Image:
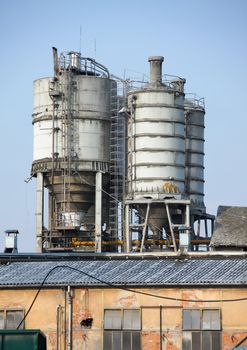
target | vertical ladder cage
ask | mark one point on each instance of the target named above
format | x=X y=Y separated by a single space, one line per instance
x=117 y=160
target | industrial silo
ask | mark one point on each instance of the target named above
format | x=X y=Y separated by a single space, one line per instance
x=156 y=152
x=71 y=120
x=194 y=163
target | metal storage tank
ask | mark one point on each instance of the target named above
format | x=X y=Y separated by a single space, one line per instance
x=71 y=120
x=156 y=142
x=156 y=138
x=194 y=120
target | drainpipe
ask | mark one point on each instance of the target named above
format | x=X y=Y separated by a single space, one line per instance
x=69 y=294
x=58 y=326
x=161 y=337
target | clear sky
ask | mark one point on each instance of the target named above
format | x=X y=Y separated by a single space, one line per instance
x=202 y=41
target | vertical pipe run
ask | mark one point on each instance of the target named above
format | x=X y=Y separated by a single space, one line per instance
x=69 y=294
x=55 y=61
x=127 y=228
x=161 y=321
x=187 y=223
x=58 y=326
x=65 y=318
x=98 y=212
x=39 y=211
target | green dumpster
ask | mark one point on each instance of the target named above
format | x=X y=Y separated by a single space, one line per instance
x=30 y=339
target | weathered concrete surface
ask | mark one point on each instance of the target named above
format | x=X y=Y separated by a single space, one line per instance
x=230 y=229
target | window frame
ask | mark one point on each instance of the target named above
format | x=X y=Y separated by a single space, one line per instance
x=112 y=329
x=201 y=311
x=5 y=312
x=124 y=333
x=192 y=337
x=122 y=320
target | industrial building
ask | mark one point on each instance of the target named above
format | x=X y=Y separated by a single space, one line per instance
x=117 y=153
x=127 y=256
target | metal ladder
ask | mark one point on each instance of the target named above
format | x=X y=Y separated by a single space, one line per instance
x=116 y=160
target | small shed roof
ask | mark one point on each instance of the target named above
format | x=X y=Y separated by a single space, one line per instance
x=230 y=228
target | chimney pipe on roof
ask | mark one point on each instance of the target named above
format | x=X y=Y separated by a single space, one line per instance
x=11 y=241
x=156 y=70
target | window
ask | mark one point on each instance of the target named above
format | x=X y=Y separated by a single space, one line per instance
x=201 y=329
x=122 y=329
x=1 y=319
x=10 y=319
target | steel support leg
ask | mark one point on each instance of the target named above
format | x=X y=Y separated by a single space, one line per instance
x=39 y=211
x=98 y=212
x=145 y=227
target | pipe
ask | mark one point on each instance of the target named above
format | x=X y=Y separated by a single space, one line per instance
x=127 y=230
x=161 y=338
x=156 y=69
x=65 y=319
x=136 y=242
x=55 y=61
x=69 y=294
x=58 y=324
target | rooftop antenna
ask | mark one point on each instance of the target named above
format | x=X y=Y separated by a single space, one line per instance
x=80 y=40
x=95 y=49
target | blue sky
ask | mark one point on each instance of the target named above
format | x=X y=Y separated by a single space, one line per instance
x=202 y=41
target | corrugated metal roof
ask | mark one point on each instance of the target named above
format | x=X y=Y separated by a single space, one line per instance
x=131 y=272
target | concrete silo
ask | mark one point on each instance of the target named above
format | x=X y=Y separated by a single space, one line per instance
x=165 y=165
x=194 y=163
x=156 y=156
x=71 y=120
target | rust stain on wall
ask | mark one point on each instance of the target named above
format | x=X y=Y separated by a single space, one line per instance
x=51 y=340
x=171 y=341
x=230 y=339
x=128 y=302
x=150 y=341
x=191 y=295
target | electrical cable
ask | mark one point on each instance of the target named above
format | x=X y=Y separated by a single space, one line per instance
x=121 y=288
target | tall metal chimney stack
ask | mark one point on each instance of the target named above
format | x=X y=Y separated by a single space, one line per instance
x=156 y=70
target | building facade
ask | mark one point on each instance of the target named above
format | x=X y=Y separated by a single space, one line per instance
x=122 y=302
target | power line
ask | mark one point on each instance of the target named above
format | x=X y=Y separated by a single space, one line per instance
x=121 y=288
